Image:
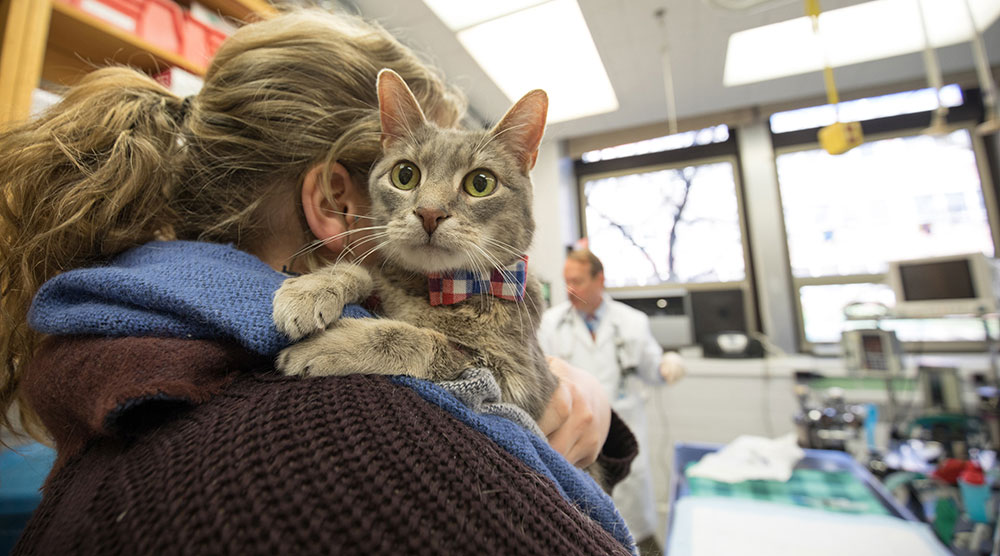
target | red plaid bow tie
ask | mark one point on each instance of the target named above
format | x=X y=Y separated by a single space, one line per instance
x=452 y=287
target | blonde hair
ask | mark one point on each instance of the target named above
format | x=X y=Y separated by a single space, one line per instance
x=121 y=161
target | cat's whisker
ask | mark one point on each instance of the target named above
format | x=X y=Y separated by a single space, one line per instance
x=369 y=253
x=485 y=265
x=351 y=245
x=404 y=123
x=502 y=246
x=494 y=136
x=317 y=243
x=507 y=275
x=331 y=211
x=349 y=249
x=479 y=270
x=534 y=309
x=510 y=249
x=571 y=294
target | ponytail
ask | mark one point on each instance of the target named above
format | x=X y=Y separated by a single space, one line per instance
x=88 y=179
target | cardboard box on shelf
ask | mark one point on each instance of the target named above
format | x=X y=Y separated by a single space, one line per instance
x=160 y=23
x=199 y=40
x=155 y=21
x=120 y=13
x=212 y=17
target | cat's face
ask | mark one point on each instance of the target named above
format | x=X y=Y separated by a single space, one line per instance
x=453 y=199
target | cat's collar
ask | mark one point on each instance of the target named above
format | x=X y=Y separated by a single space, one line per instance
x=446 y=288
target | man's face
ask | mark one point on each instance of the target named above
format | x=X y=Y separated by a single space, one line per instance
x=584 y=290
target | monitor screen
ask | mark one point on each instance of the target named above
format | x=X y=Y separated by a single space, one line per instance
x=937 y=280
x=874 y=354
x=717 y=311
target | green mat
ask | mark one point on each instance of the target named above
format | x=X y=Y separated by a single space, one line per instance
x=835 y=491
x=863 y=383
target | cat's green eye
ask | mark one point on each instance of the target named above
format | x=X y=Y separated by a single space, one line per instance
x=480 y=183
x=405 y=175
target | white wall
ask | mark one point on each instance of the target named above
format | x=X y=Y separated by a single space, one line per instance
x=556 y=220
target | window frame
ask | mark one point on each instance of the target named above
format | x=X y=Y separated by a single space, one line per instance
x=725 y=151
x=906 y=125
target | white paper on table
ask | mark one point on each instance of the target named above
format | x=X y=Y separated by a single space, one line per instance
x=708 y=526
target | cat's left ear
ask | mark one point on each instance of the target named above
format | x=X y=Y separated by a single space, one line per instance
x=522 y=127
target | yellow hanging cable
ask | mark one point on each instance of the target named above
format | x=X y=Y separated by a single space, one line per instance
x=839 y=137
x=813 y=10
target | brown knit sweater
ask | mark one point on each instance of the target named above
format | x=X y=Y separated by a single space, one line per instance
x=170 y=446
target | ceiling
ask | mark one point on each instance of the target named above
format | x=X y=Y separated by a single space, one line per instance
x=629 y=38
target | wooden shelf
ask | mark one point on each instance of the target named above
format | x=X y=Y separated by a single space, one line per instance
x=57 y=42
x=79 y=42
x=241 y=10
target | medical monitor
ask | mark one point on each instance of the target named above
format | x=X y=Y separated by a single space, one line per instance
x=940 y=286
x=668 y=312
x=872 y=352
x=717 y=311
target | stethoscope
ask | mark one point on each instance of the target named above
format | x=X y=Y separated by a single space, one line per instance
x=624 y=371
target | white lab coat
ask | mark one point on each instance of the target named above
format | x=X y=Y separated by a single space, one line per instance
x=623 y=340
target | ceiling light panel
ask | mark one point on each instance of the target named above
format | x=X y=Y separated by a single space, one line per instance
x=541 y=46
x=459 y=14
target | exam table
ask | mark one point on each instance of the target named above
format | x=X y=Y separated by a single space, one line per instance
x=830 y=506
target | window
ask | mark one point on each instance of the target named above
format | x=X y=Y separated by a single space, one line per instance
x=667 y=225
x=898 y=198
x=823 y=316
x=894 y=197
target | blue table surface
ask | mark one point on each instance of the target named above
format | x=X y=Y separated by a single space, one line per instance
x=823 y=460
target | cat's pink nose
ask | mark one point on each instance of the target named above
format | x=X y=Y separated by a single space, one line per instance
x=431 y=217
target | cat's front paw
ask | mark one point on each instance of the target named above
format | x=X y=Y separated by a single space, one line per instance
x=308 y=303
x=302 y=360
x=330 y=352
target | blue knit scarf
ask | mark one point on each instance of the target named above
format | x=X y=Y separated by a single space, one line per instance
x=183 y=289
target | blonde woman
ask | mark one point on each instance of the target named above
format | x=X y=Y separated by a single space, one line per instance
x=142 y=236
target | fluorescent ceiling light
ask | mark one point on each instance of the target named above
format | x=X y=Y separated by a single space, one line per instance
x=539 y=46
x=459 y=14
x=851 y=35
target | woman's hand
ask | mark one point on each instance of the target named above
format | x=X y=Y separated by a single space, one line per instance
x=578 y=416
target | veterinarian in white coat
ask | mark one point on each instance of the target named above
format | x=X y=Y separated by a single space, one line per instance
x=622 y=353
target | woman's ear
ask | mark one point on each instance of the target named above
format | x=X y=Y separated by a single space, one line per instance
x=331 y=200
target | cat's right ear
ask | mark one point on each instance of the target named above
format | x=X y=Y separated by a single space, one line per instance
x=399 y=110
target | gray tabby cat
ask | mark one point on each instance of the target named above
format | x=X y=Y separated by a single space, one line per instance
x=442 y=200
